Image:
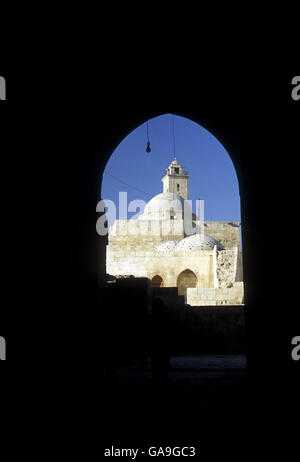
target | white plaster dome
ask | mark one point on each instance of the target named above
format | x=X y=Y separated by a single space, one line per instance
x=162 y=205
x=166 y=246
x=190 y=243
x=198 y=242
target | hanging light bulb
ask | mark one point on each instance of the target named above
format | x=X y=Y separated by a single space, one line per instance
x=148 y=149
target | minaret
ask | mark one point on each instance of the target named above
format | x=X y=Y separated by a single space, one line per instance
x=176 y=180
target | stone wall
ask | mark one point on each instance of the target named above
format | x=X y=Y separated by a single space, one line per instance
x=167 y=265
x=144 y=234
x=239 y=267
x=228 y=233
x=131 y=252
x=227 y=267
x=214 y=297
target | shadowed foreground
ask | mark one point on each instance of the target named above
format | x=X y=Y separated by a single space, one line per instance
x=200 y=392
x=207 y=402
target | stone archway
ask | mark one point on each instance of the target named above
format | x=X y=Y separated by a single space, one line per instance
x=157 y=281
x=186 y=279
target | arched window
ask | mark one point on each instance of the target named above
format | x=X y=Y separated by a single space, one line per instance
x=185 y=280
x=157 y=281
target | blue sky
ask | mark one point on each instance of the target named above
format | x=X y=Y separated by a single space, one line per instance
x=212 y=174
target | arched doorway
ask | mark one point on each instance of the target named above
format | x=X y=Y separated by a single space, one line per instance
x=186 y=279
x=157 y=281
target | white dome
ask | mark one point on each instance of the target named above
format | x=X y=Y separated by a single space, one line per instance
x=160 y=207
x=166 y=246
x=190 y=243
x=198 y=242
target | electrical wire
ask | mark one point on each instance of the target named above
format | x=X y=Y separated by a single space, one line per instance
x=173 y=133
x=148 y=131
x=127 y=184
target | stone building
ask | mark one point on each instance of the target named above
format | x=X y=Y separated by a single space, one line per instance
x=203 y=260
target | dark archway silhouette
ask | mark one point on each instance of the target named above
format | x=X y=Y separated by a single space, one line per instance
x=228 y=117
x=247 y=105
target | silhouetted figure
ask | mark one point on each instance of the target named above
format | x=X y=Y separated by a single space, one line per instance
x=125 y=325
x=160 y=359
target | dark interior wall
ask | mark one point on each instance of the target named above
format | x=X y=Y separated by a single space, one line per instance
x=78 y=125
x=256 y=121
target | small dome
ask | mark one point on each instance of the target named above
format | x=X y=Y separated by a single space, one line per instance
x=190 y=243
x=161 y=206
x=198 y=242
x=166 y=246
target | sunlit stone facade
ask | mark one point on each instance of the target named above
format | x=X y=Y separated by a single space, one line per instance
x=205 y=266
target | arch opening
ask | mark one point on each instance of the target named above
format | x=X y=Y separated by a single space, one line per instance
x=216 y=259
x=157 y=231
x=157 y=281
x=186 y=279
